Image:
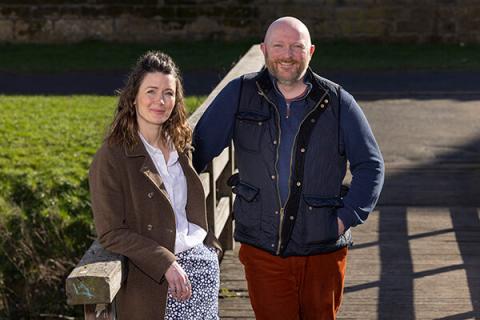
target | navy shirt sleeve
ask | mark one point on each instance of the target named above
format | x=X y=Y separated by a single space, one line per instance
x=214 y=131
x=366 y=163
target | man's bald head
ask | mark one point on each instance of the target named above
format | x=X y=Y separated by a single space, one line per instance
x=287 y=48
x=284 y=23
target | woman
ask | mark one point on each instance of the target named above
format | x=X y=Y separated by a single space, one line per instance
x=148 y=202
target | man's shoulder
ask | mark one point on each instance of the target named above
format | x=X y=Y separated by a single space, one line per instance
x=326 y=83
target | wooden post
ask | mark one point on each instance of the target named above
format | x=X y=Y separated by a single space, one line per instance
x=211 y=201
x=100 y=311
x=226 y=235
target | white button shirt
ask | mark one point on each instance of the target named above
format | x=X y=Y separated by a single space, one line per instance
x=188 y=235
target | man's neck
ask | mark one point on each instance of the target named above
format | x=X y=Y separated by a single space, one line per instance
x=292 y=90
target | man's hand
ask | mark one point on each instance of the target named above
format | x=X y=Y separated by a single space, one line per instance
x=341 y=226
x=178 y=284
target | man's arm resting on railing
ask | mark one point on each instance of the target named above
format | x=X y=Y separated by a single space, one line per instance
x=214 y=131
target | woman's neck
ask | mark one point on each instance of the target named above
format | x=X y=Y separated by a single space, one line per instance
x=154 y=136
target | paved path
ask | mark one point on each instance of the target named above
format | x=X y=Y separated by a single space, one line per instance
x=101 y=83
x=366 y=85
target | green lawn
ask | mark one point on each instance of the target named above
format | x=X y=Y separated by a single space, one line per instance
x=219 y=56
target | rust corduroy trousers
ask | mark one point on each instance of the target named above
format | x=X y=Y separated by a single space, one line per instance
x=294 y=288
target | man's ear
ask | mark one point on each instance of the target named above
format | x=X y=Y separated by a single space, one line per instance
x=312 y=49
x=262 y=47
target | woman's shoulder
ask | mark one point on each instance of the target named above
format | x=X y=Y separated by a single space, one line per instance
x=109 y=152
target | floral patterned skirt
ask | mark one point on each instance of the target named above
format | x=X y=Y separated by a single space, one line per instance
x=201 y=265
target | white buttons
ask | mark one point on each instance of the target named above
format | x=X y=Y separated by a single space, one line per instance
x=299 y=183
x=149 y=227
x=302 y=150
x=150 y=195
x=292 y=217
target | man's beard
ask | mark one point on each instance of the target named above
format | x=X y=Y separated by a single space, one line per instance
x=289 y=77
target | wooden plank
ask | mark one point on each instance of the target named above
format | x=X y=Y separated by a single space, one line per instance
x=220 y=162
x=221 y=216
x=204 y=178
x=97 y=277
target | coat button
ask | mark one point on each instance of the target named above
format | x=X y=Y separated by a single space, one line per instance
x=273 y=177
x=312 y=120
x=325 y=101
x=150 y=195
x=310 y=208
x=322 y=106
x=274 y=141
x=292 y=217
x=149 y=227
x=260 y=123
x=302 y=150
x=299 y=183
x=276 y=212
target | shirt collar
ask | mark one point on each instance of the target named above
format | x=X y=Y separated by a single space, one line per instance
x=302 y=96
x=154 y=151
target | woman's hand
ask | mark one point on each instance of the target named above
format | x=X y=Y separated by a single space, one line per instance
x=178 y=284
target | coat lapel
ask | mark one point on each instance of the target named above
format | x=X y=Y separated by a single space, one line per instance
x=148 y=168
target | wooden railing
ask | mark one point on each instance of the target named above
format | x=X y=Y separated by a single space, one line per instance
x=99 y=275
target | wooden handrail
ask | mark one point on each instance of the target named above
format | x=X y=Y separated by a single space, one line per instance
x=98 y=276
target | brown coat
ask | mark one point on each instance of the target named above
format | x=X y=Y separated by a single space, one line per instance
x=134 y=217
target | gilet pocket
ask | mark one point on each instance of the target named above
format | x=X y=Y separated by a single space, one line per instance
x=320 y=219
x=246 y=209
x=249 y=128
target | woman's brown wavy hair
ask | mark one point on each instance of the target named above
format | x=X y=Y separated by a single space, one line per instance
x=124 y=128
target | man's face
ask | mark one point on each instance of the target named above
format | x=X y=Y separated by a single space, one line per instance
x=287 y=53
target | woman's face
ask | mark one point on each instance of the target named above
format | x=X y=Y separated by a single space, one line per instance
x=155 y=99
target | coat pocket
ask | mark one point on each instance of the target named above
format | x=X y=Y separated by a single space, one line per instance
x=249 y=128
x=320 y=219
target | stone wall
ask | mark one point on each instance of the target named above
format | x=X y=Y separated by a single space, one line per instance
x=157 y=20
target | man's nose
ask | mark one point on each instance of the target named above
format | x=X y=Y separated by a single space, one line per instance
x=287 y=52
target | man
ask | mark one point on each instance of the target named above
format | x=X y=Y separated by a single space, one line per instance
x=293 y=133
